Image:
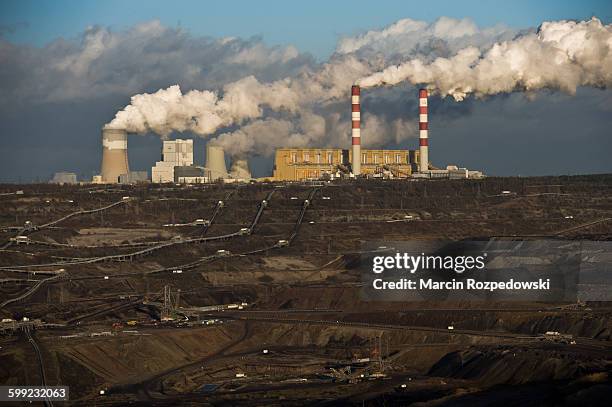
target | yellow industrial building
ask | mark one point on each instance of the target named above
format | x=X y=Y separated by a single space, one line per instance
x=296 y=164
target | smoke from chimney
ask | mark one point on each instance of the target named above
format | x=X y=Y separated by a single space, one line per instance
x=306 y=109
x=561 y=55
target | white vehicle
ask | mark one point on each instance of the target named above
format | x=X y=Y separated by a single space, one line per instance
x=294 y=198
x=222 y=252
x=450 y=327
x=177 y=271
x=70 y=201
x=125 y=198
x=265 y=351
x=201 y=222
x=506 y=192
x=311 y=222
x=106 y=277
x=245 y=231
x=21 y=239
x=282 y=243
x=569 y=217
x=240 y=375
x=326 y=198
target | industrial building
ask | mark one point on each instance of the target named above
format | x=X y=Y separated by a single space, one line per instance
x=133 y=177
x=191 y=175
x=295 y=164
x=175 y=153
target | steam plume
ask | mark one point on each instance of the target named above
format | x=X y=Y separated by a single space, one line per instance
x=203 y=112
x=561 y=55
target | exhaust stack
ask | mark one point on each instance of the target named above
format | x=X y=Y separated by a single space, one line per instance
x=356 y=129
x=114 y=155
x=423 y=132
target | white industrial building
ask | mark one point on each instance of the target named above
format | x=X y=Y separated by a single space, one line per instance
x=175 y=153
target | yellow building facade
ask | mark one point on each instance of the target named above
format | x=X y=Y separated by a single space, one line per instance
x=296 y=164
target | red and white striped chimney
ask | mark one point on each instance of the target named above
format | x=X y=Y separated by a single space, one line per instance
x=356 y=129
x=423 y=136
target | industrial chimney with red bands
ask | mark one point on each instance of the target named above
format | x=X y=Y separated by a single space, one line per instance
x=356 y=131
x=423 y=129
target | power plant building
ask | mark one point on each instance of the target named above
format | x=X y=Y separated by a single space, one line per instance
x=133 y=177
x=296 y=164
x=191 y=175
x=175 y=153
x=290 y=164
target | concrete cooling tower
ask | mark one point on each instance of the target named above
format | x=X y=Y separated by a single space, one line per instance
x=215 y=161
x=240 y=169
x=114 y=155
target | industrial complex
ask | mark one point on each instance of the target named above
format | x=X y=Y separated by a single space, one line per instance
x=290 y=164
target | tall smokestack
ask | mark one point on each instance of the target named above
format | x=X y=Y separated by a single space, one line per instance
x=114 y=155
x=356 y=129
x=423 y=130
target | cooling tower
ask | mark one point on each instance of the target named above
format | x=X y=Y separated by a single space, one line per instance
x=215 y=161
x=240 y=169
x=114 y=155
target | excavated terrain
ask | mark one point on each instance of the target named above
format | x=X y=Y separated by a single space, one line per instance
x=133 y=297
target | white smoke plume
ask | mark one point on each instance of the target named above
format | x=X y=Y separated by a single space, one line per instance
x=562 y=55
x=451 y=57
x=203 y=112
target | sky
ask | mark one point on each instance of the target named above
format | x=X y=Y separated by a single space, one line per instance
x=66 y=68
x=312 y=26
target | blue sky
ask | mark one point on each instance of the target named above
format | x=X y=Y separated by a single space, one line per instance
x=313 y=26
